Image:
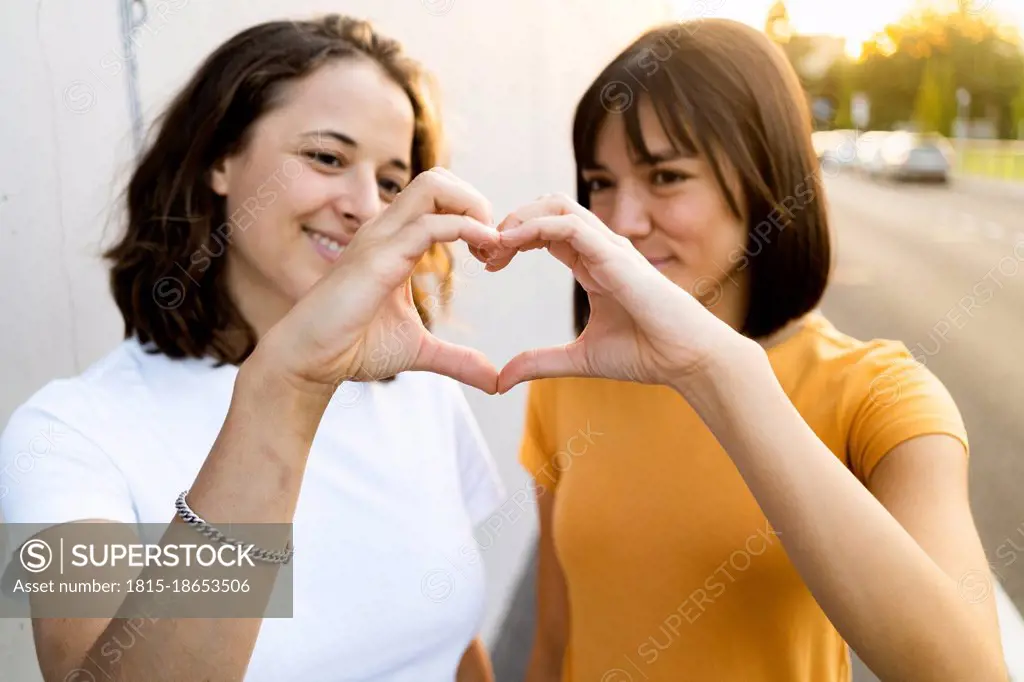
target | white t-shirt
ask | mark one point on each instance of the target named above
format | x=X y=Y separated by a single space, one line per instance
x=397 y=478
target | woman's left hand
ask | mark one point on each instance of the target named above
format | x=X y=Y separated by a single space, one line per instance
x=642 y=326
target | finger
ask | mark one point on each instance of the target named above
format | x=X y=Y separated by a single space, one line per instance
x=485 y=253
x=562 y=252
x=542 y=363
x=503 y=255
x=547 y=205
x=499 y=258
x=390 y=260
x=584 y=238
x=466 y=365
x=430 y=229
x=552 y=205
x=438 y=191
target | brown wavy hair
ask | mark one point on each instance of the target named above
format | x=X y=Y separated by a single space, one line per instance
x=178 y=303
x=725 y=91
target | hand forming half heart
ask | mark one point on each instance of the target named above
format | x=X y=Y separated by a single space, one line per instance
x=642 y=327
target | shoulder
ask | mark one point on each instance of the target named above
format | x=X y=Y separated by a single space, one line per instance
x=57 y=460
x=881 y=395
x=866 y=367
x=83 y=400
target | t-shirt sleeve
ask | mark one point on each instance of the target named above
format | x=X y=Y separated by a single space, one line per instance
x=898 y=398
x=482 y=489
x=51 y=473
x=536 y=448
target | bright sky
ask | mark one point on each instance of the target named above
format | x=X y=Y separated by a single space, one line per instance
x=855 y=21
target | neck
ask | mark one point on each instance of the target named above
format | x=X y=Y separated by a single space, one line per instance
x=784 y=333
x=731 y=308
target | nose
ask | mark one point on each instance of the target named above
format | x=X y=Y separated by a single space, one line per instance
x=358 y=197
x=630 y=215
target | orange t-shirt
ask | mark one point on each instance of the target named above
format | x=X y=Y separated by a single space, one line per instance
x=673 y=572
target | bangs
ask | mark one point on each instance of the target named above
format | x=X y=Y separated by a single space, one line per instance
x=617 y=93
x=725 y=94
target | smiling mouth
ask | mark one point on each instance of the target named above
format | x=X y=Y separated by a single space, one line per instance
x=328 y=247
x=661 y=262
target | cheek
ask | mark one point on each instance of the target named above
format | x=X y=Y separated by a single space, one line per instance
x=704 y=220
x=603 y=209
x=280 y=201
x=687 y=221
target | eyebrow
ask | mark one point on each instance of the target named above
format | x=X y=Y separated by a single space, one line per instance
x=648 y=160
x=346 y=140
x=667 y=155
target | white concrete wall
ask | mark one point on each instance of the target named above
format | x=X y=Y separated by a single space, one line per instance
x=511 y=73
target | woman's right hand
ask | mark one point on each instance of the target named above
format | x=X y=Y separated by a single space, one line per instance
x=358 y=322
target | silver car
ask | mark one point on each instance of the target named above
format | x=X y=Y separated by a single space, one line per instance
x=909 y=156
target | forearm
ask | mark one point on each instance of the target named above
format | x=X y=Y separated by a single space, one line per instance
x=545 y=665
x=251 y=476
x=898 y=609
x=475 y=665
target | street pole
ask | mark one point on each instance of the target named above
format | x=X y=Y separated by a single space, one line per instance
x=963 y=100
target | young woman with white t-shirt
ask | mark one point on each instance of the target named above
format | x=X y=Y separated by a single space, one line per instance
x=270 y=347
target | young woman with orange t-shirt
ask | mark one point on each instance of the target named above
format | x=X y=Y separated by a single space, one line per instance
x=731 y=489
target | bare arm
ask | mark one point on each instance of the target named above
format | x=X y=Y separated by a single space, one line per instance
x=265 y=441
x=475 y=665
x=897 y=602
x=552 y=632
x=254 y=471
x=923 y=484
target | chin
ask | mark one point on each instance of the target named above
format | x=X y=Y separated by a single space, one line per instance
x=299 y=285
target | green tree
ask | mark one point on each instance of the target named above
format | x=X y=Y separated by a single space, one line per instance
x=933 y=112
x=1018 y=112
x=928 y=107
x=962 y=49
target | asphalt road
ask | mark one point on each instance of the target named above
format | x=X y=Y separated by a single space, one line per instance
x=941 y=269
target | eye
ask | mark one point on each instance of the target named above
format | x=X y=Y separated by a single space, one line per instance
x=668 y=177
x=326 y=159
x=389 y=188
x=596 y=184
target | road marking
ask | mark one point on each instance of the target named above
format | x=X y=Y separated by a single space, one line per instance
x=1011 y=627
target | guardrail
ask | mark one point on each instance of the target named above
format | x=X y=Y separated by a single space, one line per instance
x=996 y=159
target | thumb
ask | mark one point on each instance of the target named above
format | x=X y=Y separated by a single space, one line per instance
x=542 y=363
x=463 y=364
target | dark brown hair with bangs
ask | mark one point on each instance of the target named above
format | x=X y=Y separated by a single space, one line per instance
x=167 y=273
x=725 y=91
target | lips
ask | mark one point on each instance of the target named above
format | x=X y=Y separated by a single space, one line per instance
x=660 y=261
x=326 y=245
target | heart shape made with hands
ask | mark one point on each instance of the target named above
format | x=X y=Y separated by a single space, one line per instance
x=642 y=327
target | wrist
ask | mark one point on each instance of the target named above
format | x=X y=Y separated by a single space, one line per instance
x=725 y=374
x=264 y=385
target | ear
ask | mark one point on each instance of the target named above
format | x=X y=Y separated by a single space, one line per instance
x=219 y=175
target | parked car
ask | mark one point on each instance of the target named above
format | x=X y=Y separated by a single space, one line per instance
x=838 y=150
x=869 y=146
x=916 y=156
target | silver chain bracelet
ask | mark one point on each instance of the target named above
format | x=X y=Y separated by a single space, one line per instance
x=194 y=520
